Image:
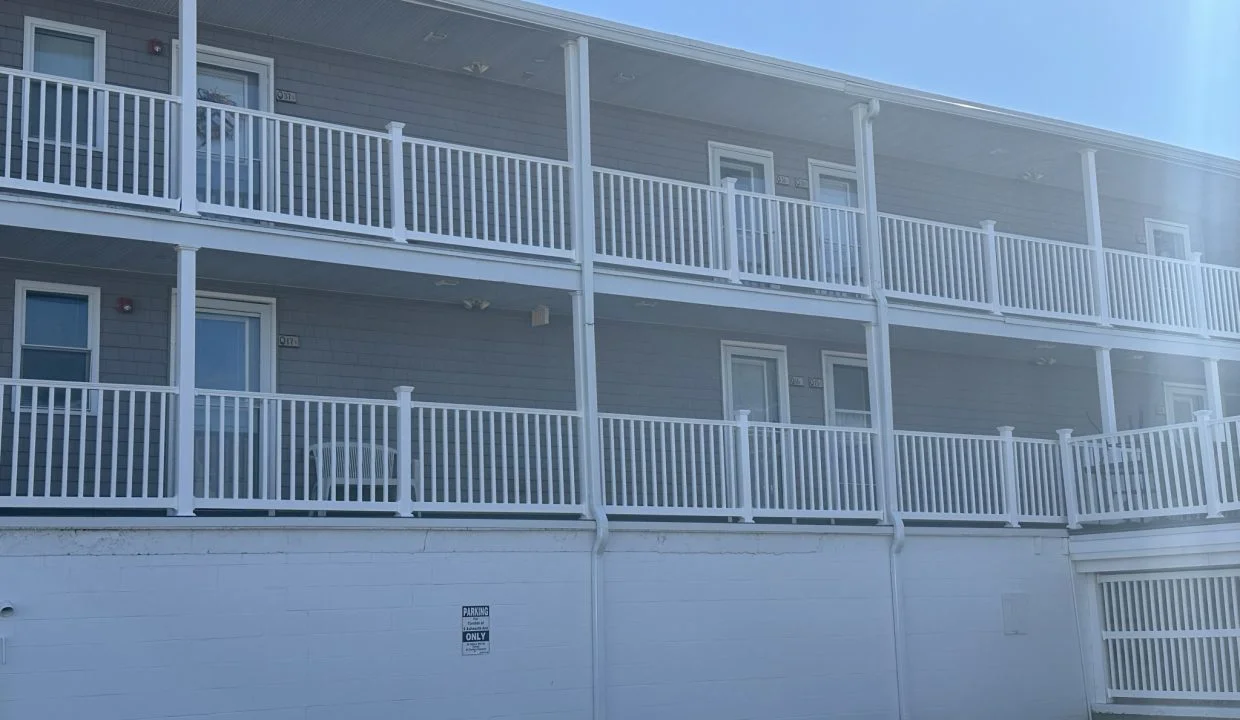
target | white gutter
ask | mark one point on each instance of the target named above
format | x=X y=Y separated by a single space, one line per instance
x=521 y=12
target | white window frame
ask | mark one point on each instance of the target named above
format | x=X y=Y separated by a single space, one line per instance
x=716 y=151
x=92 y=295
x=100 y=38
x=1171 y=389
x=264 y=307
x=829 y=359
x=818 y=168
x=263 y=66
x=778 y=353
x=1153 y=224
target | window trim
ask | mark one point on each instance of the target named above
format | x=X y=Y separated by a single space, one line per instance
x=92 y=295
x=778 y=353
x=264 y=307
x=233 y=60
x=830 y=358
x=100 y=39
x=1153 y=224
x=717 y=150
x=818 y=168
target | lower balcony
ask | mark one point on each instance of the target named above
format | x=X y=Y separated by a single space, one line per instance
x=76 y=446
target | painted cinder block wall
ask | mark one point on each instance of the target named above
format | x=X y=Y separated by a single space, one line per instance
x=236 y=623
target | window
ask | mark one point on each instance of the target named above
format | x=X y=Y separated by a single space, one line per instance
x=755 y=378
x=754 y=170
x=61 y=112
x=833 y=183
x=1166 y=239
x=56 y=338
x=846 y=390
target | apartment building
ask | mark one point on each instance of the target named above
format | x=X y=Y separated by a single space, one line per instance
x=474 y=359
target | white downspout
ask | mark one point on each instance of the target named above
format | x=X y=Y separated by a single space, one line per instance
x=577 y=92
x=878 y=343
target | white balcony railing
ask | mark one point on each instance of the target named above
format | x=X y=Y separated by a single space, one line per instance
x=501 y=201
x=85 y=445
x=265 y=166
x=92 y=445
x=1184 y=470
x=86 y=139
x=943 y=476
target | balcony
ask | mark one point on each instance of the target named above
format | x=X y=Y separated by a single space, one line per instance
x=113 y=144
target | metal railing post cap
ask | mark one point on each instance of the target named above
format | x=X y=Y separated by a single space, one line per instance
x=729 y=183
x=394 y=126
x=1007 y=430
x=989 y=225
x=742 y=414
x=1064 y=433
x=1203 y=414
x=404 y=389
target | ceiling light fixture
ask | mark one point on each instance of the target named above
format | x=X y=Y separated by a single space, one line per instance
x=646 y=303
x=476 y=304
x=1032 y=176
x=447 y=282
x=622 y=78
x=435 y=36
x=476 y=67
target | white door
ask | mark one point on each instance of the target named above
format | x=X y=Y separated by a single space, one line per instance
x=1167 y=239
x=755 y=379
x=232 y=358
x=230 y=141
x=846 y=384
x=836 y=185
x=754 y=172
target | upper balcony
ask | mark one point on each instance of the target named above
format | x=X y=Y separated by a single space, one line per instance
x=480 y=165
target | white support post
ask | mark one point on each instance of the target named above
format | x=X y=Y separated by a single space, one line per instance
x=186 y=373
x=732 y=232
x=1011 y=497
x=863 y=159
x=1093 y=230
x=878 y=367
x=1106 y=389
x=992 y=268
x=187 y=147
x=1201 y=312
x=1067 y=468
x=1214 y=387
x=404 y=451
x=577 y=100
x=744 y=467
x=1209 y=466
x=396 y=137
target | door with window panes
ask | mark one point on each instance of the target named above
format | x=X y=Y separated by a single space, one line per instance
x=228 y=366
x=755 y=380
x=840 y=234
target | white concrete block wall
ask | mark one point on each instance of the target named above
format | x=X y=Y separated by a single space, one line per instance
x=961 y=663
x=317 y=623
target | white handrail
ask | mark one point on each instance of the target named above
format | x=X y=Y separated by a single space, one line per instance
x=85 y=445
x=84 y=139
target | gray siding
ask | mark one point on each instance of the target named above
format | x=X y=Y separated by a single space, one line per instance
x=361 y=346
x=332 y=86
x=367 y=92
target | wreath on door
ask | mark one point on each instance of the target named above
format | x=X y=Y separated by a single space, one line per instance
x=216 y=122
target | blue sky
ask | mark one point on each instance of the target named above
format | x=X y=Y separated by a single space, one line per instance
x=1167 y=70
